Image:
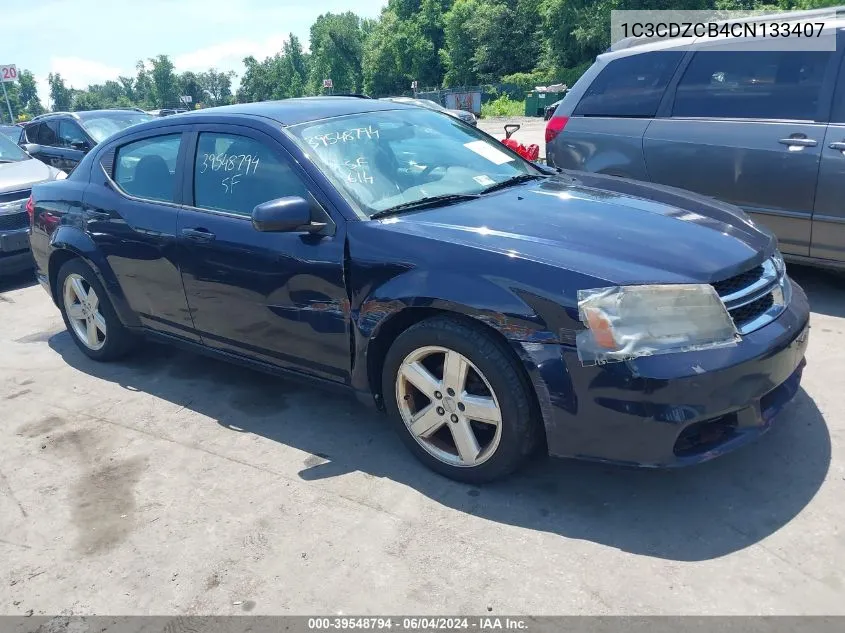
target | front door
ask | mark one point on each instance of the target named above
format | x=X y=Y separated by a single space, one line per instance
x=276 y=297
x=743 y=129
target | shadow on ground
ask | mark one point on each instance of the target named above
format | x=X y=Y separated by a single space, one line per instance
x=16 y=282
x=825 y=289
x=692 y=514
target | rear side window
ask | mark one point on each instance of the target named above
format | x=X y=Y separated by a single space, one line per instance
x=752 y=85
x=237 y=173
x=31 y=133
x=631 y=86
x=43 y=134
x=147 y=168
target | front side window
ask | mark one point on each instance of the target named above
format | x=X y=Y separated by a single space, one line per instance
x=70 y=135
x=395 y=157
x=236 y=173
x=752 y=85
x=147 y=168
x=630 y=86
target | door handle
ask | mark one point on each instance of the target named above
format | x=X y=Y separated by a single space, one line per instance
x=199 y=234
x=97 y=215
x=798 y=142
x=840 y=145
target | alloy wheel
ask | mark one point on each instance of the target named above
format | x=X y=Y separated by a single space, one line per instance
x=448 y=406
x=82 y=306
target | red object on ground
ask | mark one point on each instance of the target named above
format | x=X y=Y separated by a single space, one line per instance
x=531 y=152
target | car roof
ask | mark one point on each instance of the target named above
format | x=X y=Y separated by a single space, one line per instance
x=294 y=111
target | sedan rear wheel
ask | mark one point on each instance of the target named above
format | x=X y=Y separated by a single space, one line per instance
x=83 y=310
x=89 y=315
x=459 y=399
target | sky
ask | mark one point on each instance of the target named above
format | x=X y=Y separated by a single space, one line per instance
x=90 y=41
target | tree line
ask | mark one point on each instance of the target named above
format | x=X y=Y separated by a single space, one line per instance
x=437 y=43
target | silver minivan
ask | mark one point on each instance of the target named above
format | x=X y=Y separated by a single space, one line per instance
x=761 y=129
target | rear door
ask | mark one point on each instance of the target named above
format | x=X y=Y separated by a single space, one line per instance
x=829 y=216
x=279 y=298
x=747 y=127
x=130 y=211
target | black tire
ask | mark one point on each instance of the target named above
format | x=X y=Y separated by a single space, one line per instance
x=118 y=340
x=521 y=429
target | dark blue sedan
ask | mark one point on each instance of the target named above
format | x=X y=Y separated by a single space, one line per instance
x=494 y=308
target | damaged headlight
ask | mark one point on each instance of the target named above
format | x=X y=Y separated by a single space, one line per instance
x=625 y=322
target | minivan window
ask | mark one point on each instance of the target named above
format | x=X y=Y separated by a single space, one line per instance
x=237 y=173
x=752 y=85
x=147 y=168
x=630 y=86
x=70 y=134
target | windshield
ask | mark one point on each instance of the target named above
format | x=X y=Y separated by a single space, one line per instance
x=102 y=126
x=9 y=152
x=385 y=159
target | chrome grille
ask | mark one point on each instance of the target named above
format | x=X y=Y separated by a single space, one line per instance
x=755 y=297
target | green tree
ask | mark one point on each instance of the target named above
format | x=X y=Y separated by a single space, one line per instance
x=337 y=48
x=164 y=82
x=457 y=55
x=216 y=86
x=144 y=89
x=28 y=94
x=60 y=94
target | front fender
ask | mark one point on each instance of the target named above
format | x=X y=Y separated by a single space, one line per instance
x=487 y=300
x=68 y=239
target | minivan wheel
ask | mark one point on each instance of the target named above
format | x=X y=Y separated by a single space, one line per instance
x=89 y=315
x=458 y=400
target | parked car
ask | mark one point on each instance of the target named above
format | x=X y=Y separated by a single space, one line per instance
x=762 y=129
x=12 y=132
x=549 y=110
x=463 y=115
x=166 y=111
x=485 y=302
x=61 y=139
x=18 y=172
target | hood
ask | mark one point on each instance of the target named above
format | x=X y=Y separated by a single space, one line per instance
x=24 y=174
x=621 y=231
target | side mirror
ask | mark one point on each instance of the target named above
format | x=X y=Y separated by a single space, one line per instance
x=82 y=146
x=285 y=215
x=31 y=148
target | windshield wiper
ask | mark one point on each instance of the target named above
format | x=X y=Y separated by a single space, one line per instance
x=431 y=201
x=511 y=181
x=6 y=160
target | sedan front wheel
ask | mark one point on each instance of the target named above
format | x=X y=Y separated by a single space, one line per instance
x=459 y=400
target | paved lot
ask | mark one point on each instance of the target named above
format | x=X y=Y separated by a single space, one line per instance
x=532 y=130
x=170 y=484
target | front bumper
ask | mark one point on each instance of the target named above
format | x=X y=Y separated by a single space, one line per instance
x=672 y=409
x=15 y=256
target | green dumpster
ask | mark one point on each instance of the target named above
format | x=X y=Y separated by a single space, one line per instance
x=535 y=102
